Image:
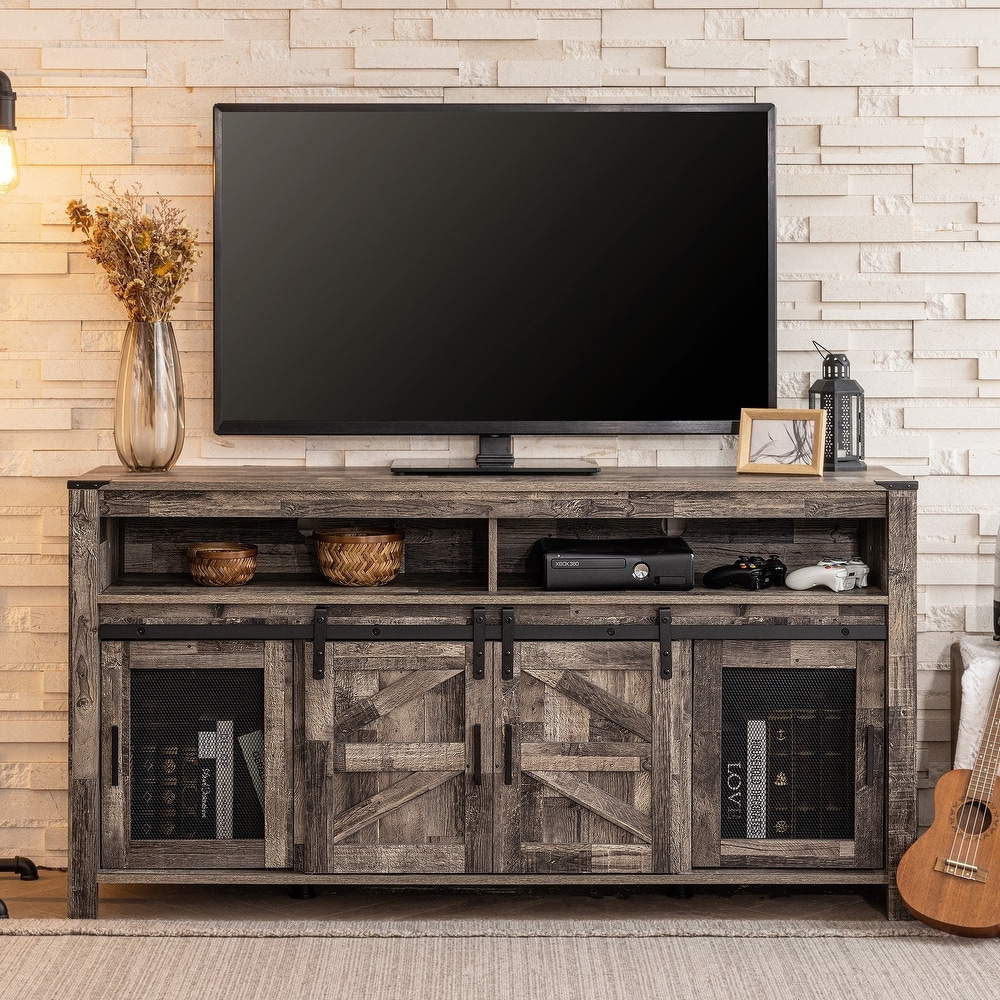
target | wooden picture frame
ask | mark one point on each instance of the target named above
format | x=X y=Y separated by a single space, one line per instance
x=789 y=442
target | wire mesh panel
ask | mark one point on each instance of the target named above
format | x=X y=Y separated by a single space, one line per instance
x=788 y=753
x=197 y=745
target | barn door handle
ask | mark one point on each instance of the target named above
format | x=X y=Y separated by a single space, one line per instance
x=477 y=754
x=115 y=751
x=508 y=755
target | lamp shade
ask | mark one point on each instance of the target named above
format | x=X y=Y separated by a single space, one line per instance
x=844 y=402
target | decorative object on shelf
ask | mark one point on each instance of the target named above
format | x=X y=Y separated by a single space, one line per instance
x=844 y=402
x=149 y=398
x=837 y=574
x=356 y=559
x=783 y=441
x=148 y=254
x=9 y=172
x=749 y=572
x=222 y=564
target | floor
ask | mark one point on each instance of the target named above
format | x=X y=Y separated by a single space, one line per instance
x=45 y=897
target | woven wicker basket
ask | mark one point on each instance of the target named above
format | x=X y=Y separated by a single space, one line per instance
x=222 y=564
x=356 y=559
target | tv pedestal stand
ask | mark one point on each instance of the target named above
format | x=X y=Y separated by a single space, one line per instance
x=496 y=458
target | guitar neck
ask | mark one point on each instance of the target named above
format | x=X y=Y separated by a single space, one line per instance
x=984 y=771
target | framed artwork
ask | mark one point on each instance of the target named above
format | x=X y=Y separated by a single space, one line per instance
x=783 y=441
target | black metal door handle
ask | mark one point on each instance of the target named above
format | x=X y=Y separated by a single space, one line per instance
x=477 y=754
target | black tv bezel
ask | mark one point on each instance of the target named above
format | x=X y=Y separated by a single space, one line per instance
x=488 y=430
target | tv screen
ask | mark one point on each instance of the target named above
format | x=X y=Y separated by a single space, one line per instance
x=493 y=270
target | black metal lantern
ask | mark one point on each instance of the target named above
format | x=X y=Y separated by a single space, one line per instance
x=844 y=402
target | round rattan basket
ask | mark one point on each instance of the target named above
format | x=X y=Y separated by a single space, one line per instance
x=355 y=558
x=222 y=564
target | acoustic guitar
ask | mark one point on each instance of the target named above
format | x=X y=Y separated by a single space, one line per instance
x=950 y=876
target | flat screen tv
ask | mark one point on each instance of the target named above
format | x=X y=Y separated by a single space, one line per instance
x=493 y=270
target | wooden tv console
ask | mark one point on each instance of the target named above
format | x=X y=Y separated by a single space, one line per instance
x=465 y=726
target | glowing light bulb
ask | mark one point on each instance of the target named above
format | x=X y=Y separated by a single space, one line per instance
x=9 y=173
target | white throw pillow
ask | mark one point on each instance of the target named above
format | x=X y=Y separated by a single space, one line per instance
x=981 y=662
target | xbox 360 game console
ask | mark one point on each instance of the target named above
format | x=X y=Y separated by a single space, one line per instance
x=617 y=564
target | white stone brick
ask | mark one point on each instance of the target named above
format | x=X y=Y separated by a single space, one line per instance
x=874 y=289
x=490 y=25
x=85 y=150
x=947 y=102
x=804 y=24
x=105 y=57
x=392 y=4
x=873 y=311
x=884 y=133
x=236 y=65
x=583 y=28
x=549 y=73
x=868 y=67
x=185 y=26
x=966 y=259
x=955 y=182
x=796 y=181
x=941 y=417
x=956 y=23
x=873 y=229
x=955 y=339
x=38 y=25
x=643 y=27
x=406 y=78
x=407 y=55
x=982 y=305
x=812 y=104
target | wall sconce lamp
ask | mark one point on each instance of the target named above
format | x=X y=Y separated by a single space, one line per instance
x=9 y=173
x=844 y=402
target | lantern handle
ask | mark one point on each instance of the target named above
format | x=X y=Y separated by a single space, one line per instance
x=823 y=351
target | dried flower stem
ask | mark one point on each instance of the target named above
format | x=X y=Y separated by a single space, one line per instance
x=147 y=252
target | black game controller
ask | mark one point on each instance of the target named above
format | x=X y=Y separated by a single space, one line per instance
x=749 y=572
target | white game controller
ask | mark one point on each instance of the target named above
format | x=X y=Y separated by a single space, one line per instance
x=837 y=574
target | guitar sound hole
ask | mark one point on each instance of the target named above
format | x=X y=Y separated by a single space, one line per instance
x=974 y=817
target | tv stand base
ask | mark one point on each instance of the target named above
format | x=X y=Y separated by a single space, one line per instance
x=496 y=458
x=524 y=467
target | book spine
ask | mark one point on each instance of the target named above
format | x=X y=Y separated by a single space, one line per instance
x=207 y=753
x=733 y=778
x=837 y=773
x=780 y=774
x=808 y=792
x=224 y=779
x=252 y=749
x=756 y=779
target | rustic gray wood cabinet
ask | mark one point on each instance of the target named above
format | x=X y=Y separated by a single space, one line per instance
x=463 y=725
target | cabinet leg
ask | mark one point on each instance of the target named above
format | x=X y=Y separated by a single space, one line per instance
x=303 y=892
x=680 y=891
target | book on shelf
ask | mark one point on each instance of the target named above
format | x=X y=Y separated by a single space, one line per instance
x=162 y=787
x=216 y=748
x=781 y=774
x=756 y=791
x=252 y=750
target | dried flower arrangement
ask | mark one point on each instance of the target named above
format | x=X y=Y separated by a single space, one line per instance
x=147 y=251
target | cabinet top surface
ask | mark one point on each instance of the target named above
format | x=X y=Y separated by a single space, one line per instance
x=383 y=480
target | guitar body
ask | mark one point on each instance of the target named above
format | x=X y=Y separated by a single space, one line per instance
x=949 y=877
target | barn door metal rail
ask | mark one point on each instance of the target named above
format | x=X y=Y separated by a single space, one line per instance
x=479 y=632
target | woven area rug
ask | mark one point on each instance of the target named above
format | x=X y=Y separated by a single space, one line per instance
x=489 y=960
